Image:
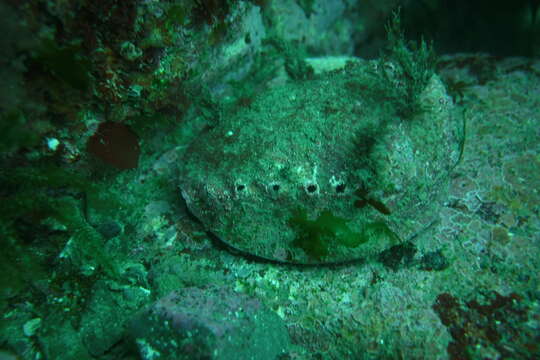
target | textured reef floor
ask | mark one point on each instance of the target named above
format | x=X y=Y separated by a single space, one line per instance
x=465 y=288
x=101 y=259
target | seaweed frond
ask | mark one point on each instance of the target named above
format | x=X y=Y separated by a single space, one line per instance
x=403 y=70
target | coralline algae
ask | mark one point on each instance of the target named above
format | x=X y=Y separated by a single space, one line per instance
x=324 y=170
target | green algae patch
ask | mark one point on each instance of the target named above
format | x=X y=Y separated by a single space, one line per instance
x=318 y=237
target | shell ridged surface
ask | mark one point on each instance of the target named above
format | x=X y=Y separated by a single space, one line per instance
x=310 y=165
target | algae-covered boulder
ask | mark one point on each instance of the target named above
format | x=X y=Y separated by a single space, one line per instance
x=325 y=170
x=208 y=323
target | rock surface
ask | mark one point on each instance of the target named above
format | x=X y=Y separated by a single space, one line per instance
x=209 y=323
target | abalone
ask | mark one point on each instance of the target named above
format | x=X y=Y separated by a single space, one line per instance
x=323 y=170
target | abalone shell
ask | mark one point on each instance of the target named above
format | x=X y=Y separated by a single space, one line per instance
x=323 y=170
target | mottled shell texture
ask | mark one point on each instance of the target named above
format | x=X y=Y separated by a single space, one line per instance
x=323 y=170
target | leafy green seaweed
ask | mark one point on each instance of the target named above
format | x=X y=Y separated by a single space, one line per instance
x=317 y=237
